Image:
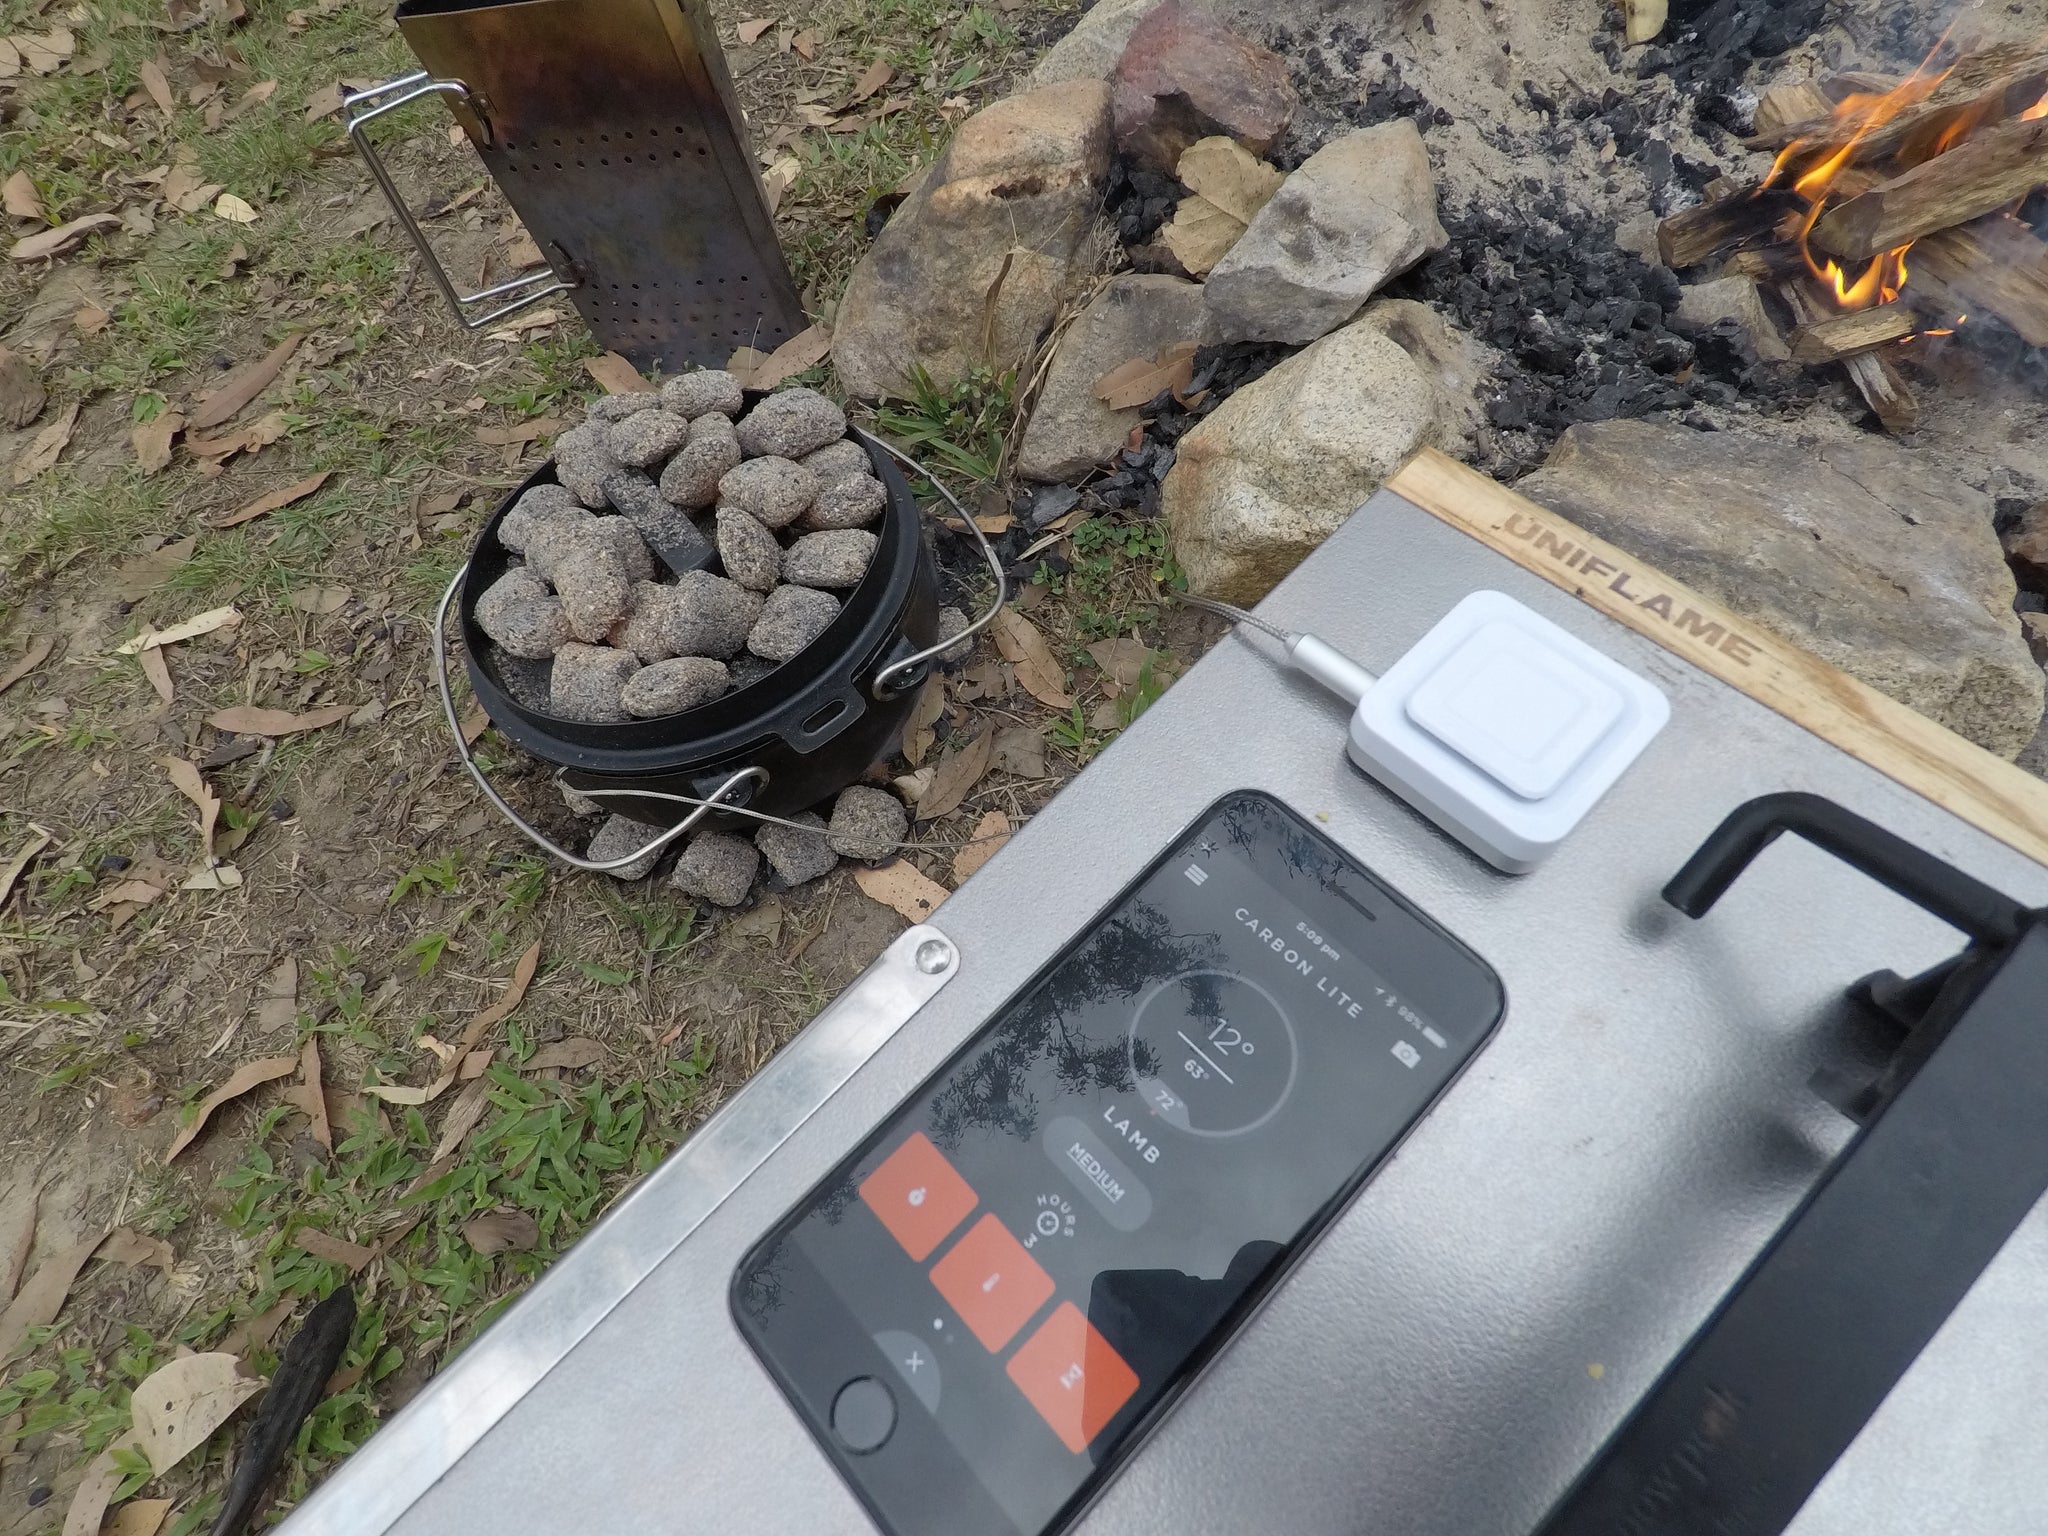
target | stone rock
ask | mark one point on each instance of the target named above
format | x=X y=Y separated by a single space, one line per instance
x=610 y=408
x=1361 y=210
x=579 y=803
x=838 y=461
x=851 y=502
x=1135 y=315
x=748 y=551
x=1274 y=470
x=649 y=629
x=595 y=587
x=1856 y=551
x=620 y=835
x=1091 y=50
x=2026 y=549
x=691 y=479
x=1016 y=197
x=867 y=824
x=587 y=682
x=537 y=506
x=1733 y=300
x=797 y=856
x=2034 y=628
x=1456 y=364
x=710 y=616
x=670 y=687
x=521 y=614
x=953 y=622
x=717 y=867
x=1184 y=76
x=791 y=423
x=706 y=390
x=834 y=560
x=646 y=438
x=777 y=491
x=790 y=620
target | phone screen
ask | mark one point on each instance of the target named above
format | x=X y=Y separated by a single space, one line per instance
x=985 y=1307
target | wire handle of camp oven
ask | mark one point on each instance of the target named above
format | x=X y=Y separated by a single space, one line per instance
x=403 y=91
x=883 y=687
x=533 y=834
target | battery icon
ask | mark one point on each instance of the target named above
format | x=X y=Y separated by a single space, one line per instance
x=1197 y=874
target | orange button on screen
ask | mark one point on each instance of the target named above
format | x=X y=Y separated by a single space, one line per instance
x=992 y=1282
x=918 y=1196
x=1072 y=1377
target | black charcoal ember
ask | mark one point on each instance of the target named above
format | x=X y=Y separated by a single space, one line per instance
x=1051 y=502
x=707 y=390
x=647 y=438
x=670 y=687
x=587 y=681
x=835 y=559
x=623 y=538
x=838 y=461
x=611 y=408
x=852 y=502
x=748 y=551
x=791 y=423
x=595 y=589
x=521 y=614
x=646 y=631
x=797 y=856
x=867 y=824
x=717 y=867
x=691 y=479
x=619 y=836
x=776 y=490
x=790 y=620
x=529 y=680
x=534 y=507
x=710 y=616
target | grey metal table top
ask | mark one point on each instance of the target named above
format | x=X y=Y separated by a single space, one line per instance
x=1472 y=1328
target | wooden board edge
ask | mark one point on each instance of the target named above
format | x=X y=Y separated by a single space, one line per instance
x=1995 y=796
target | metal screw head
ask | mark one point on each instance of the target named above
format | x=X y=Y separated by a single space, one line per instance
x=933 y=956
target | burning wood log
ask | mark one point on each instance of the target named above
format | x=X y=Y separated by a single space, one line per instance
x=1837 y=338
x=1995 y=265
x=1998 y=166
x=1788 y=106
x=1881 y=384
x=1689 y=238
x=1980 y=88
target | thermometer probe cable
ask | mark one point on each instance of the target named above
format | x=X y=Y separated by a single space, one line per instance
x=1315 y=658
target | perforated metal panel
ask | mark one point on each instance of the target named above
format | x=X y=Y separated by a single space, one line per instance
x=613 y=129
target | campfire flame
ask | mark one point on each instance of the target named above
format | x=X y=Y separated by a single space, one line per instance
x=1862 y=114
x=2036 y=112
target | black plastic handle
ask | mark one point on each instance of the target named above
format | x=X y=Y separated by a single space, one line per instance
x=1987 y=915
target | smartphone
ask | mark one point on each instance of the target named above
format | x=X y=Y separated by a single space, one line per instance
x=981 y=1313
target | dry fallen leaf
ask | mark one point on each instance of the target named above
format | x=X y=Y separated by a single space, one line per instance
x=806 y=44
x=498 y=1012
x=91 y=320
x=22 y=396
x=744 y=361
x=464 y=1115
x=1646 y=18
x=54 y=242
x=877 y=75
x=258 y=1331
x=254 y=97
x=1200 y=235
x=320 y=600
x=1132 y=384
x=95 y=1491
x=917 y=734
x=125 y=1245
x=990 y=833
x=153 y=440
x=243 y=385
x=249 y=720
x=137 y=578
x=10 y=59
x=41 y=1297
x=502 y=1232
x=38 y=840
x=48 y=446
x=139 y=1517
x=901 y=886
x=750 y=31
x=279 y=1004
x=139 y=893
x=324 y=102
x=15 y=1243
x=954 y=777
x=186 y=629
x=151 y=74
x=333 y=1250
x=519 y=432
x=179 y=1405
x=234 y=209
x=185 y=775
x=806 y=349
x=1025 y=648
x=571 y=1055
x=249 y=1075
x=779 y=178
x=253 y=438
x=272 y=501
x=158 y=671
x=214 y=877
x=1229 y=176
x=310 y=1095
x=616 y=375
x=22 y=198
x=45 y=52
x=38 y=652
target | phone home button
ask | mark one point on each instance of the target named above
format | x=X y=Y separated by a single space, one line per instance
x=863 y=1414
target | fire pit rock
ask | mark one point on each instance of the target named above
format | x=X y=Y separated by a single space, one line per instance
x=1091 y=50
x=1278 y=466
x=1018 y=197
x=1360 y=210
x=1857 y=551
x=1135 y=315
x=1184 y=76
